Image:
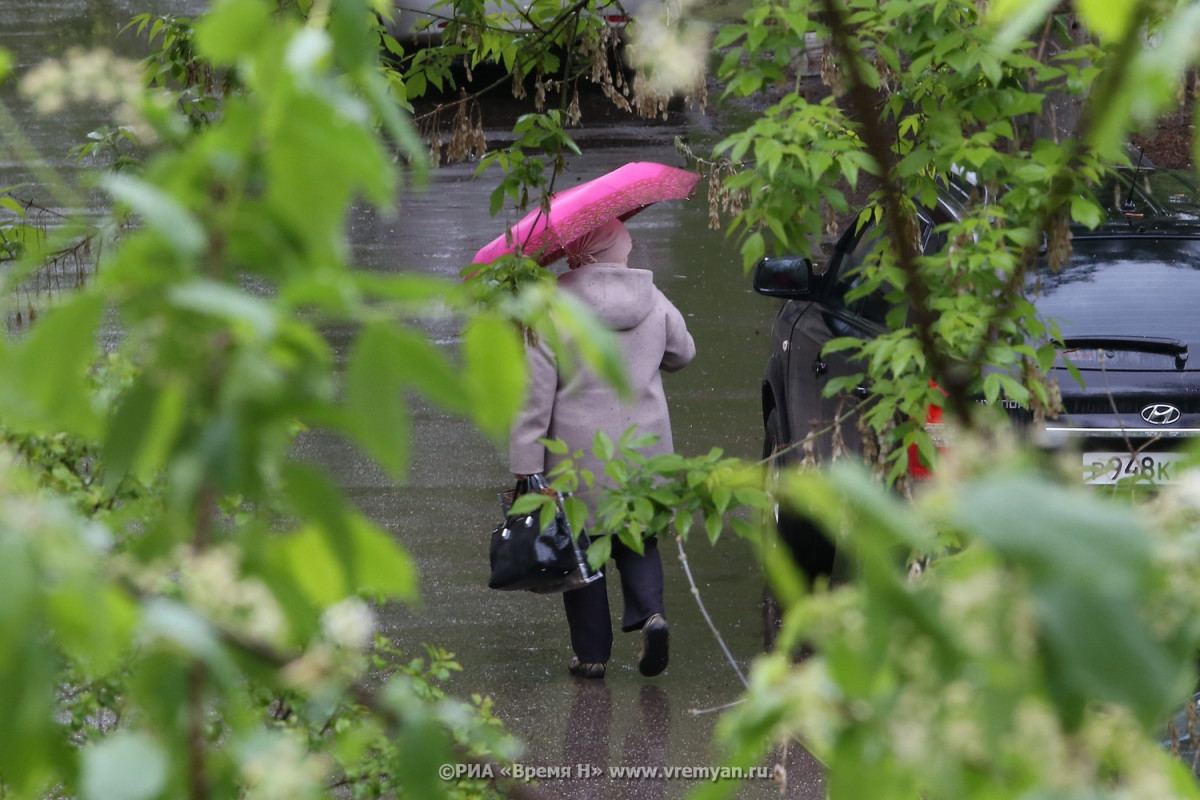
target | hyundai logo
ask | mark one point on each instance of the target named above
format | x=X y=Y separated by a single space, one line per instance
x=1160 y=414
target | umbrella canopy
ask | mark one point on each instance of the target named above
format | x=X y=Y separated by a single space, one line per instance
x=581 y=209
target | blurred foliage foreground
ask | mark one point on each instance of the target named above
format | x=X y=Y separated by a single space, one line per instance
x=185 y=611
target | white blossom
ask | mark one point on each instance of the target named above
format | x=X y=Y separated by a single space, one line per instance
x=349 y=624
x=671 y=54
x=312 y=669
x=212 y=583
x=278 y=767
x=92 y=77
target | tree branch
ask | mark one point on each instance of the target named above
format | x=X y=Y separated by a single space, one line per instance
x=953 y=381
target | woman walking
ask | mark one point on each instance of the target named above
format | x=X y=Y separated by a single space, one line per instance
x=574 y=406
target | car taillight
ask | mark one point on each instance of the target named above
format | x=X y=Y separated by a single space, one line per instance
x=937 y=432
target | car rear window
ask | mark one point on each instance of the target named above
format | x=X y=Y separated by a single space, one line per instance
x=1141 y=286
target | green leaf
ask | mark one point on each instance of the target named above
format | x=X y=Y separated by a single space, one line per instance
x=355 y=45
x=755 y=498
x=377 y=565
x=602 y=446
x=721 y=497
x=713 y=524
x=128 y=765
x=126 y=428
x=92 y=622
x=162 y=213
x=308 y=196
x=399 y=126
x=1088 y=578
x=532 y=502
x=599 y=551
x=421 y=739
x=161 y=429
x=1016 y=18
x=420 y=290
x=228 y=303
x=307 y=53
x=424 y=367
x=315 y=498
x=914 y=163
x=1107 y=19
x=27 y=672
x=385 y=570
x=576 y=511
x=46 y=386
x=753 y=250
x=683 y=525
x=232 y=30
x=1104 y=540
x=494 y=361
x=376 y=411
x=182 y=626
x=1086 y=212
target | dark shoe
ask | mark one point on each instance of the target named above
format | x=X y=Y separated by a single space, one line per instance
x=653 y=658
x=585 y=669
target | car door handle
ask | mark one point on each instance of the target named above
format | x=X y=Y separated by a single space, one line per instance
x=819 y=367
x=861 y=392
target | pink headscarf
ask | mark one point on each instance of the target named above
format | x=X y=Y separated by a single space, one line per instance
x=608 y=244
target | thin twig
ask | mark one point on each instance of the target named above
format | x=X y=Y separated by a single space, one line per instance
x=687 y=570
x=198 y=785
x=696 y=712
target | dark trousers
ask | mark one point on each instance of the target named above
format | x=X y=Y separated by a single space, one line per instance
x=587 y=608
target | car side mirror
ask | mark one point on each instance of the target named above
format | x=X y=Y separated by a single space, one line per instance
x=789 y=277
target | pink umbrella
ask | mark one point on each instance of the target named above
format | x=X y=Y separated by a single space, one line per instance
x=581 y=209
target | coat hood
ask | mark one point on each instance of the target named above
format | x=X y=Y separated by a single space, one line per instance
x=621 y=297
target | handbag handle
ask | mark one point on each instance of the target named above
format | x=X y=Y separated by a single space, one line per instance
x=537 y=482
x=532 y=483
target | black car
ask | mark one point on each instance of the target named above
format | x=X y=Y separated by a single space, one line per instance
x=1128 y=307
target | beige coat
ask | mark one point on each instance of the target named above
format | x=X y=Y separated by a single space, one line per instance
x=574 y=407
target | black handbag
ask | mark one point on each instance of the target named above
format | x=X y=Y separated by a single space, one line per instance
x=524 y=556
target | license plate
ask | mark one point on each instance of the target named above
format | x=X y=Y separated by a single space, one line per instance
x=1109 y=468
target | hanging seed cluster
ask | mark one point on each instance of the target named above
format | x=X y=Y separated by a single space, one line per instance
x=1053 y=406
x=837 y=443
x=648 y=101
x=599 y=52
x=518 y=86
x=573 y=112
x=829 y=220
x=876 y=446
x=466 y=139
x=721 y=199
x=810 y=462
x=831 y=71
